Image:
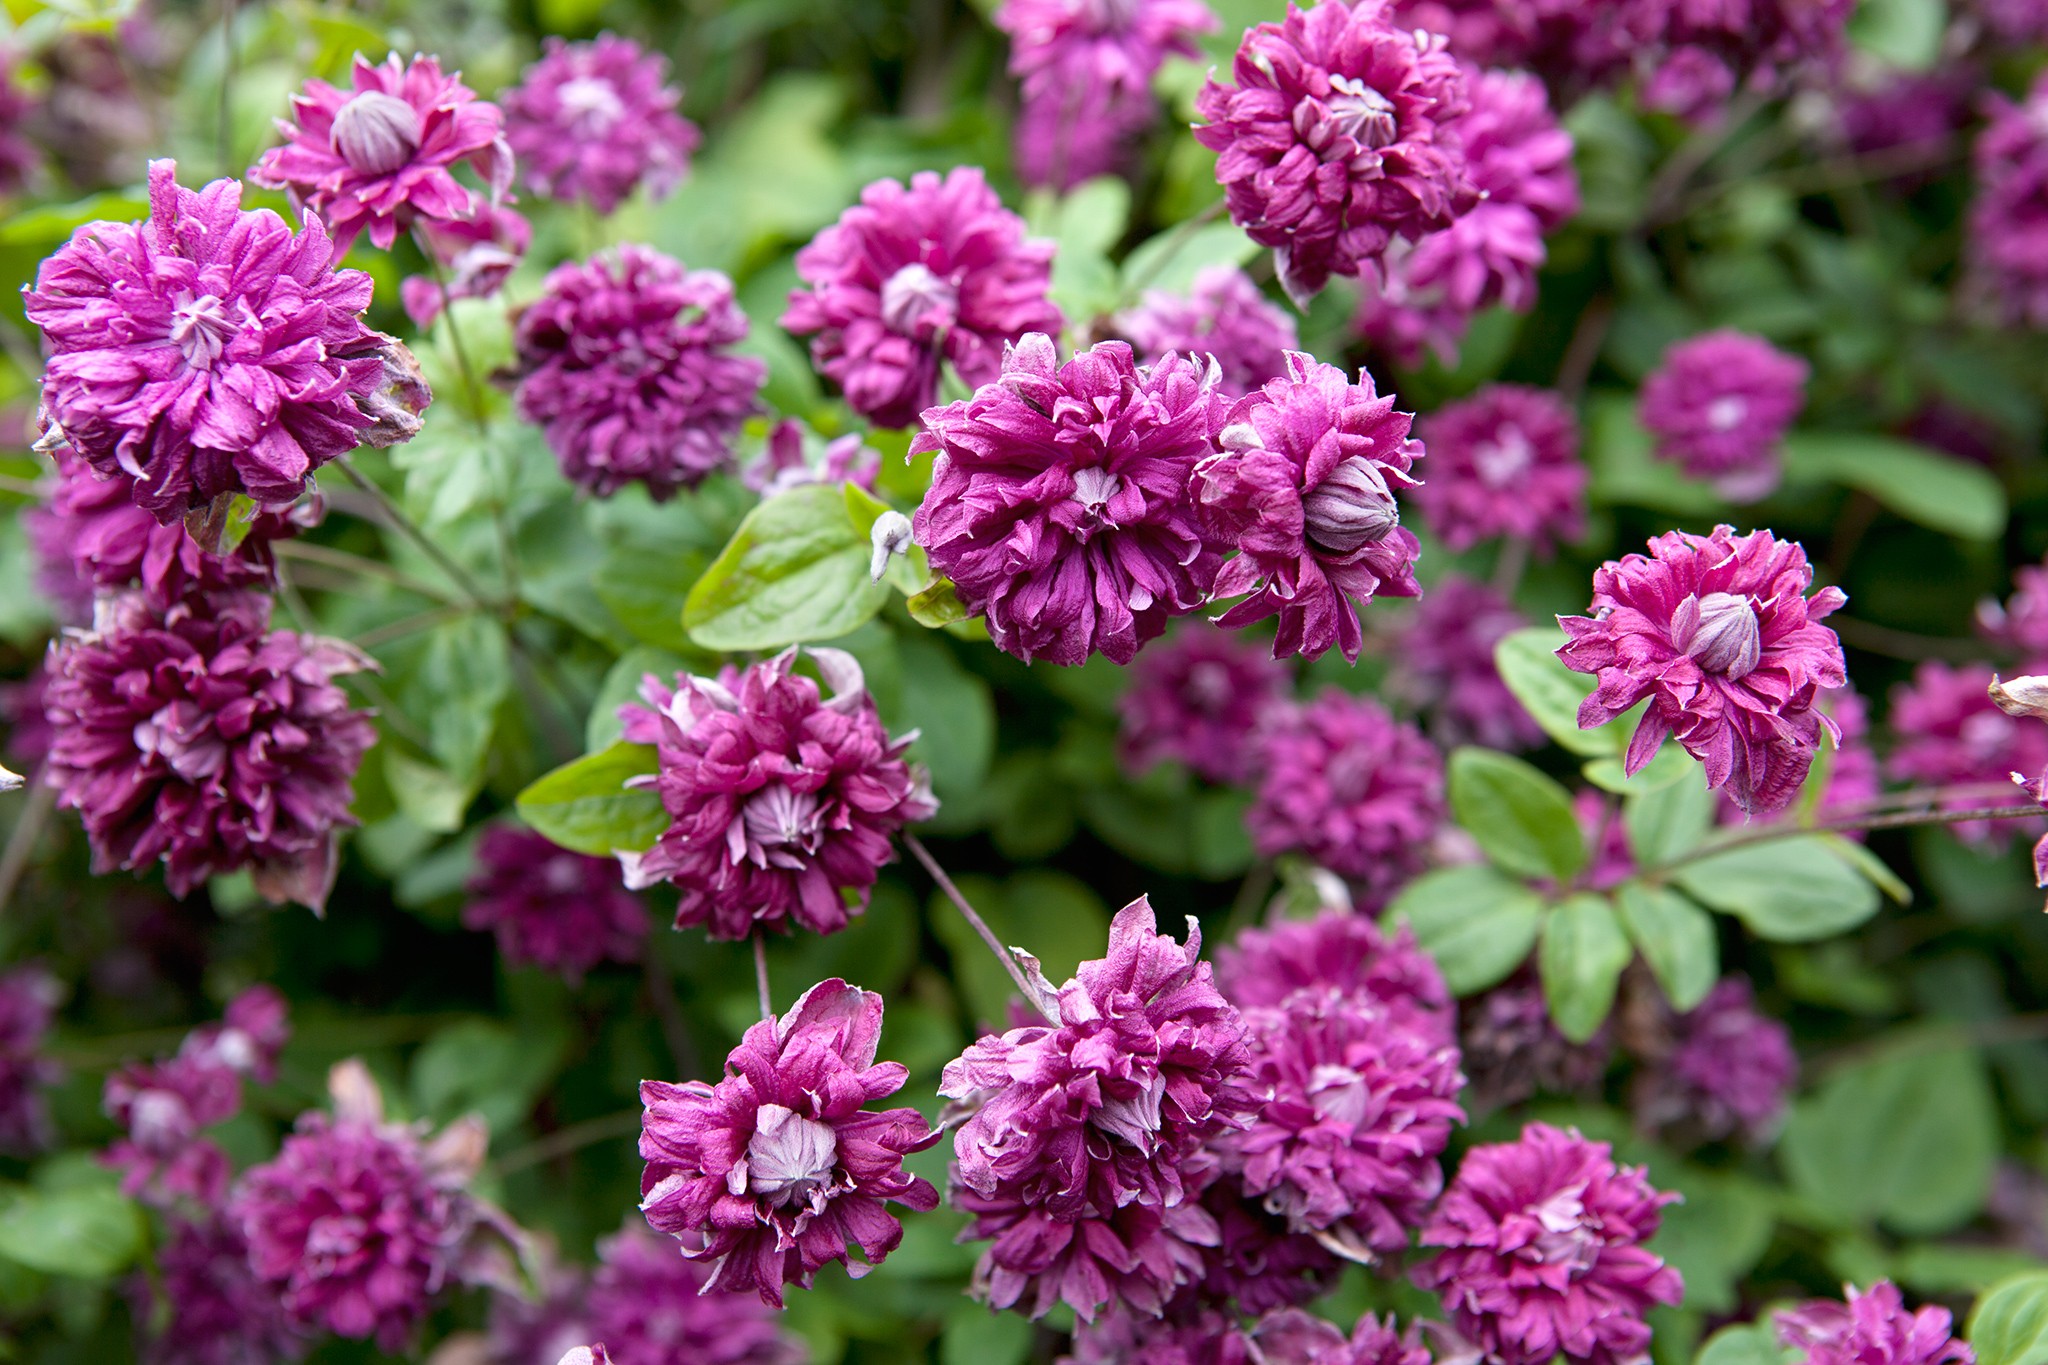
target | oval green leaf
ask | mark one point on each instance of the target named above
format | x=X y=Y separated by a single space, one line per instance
x=2009 y=1325
x=1786 y=890
x=1550 y=692
x=1583 y=953
x=796 y=570
x=1675 y=937
x=1520 y=817
x=1476 y=923
x=587 y=806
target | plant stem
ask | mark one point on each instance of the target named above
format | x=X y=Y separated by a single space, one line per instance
x=1181 y=233
x=1892 y=820
x=974 y=920
x=508 y=561
x=1582 y=352
x=363 y=565
x=761 y=975
x=26 y=488
x=1509 y=565
x=397 y=519
x=563 y=1141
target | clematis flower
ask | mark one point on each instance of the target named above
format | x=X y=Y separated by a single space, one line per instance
x=626 y=361
x=1304 y=486
x=380 y=156
x=1197 y=699
x=476 y=255
x=550 y=907
x=1257 y=1264
x=1060 y=504
x=1730 y=1069
x=1718 y=633
x=195 y=736
x=594 y=121
x=1872 y=1328
x=1719 y=406
x=1504 y=462
x=778 y=1166
x=1541 y=1251
x=218 y=1312
x=781 y=804
x=1511 y=1050
x=1355 y=790
x=28 y=1005
x=208 y=351
x=1338 y=137
x=908 y=278
x=1224 y=316
x=1083 y=1158
x=1343 y=951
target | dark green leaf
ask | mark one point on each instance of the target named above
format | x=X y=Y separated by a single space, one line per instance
x=1716 y=1235
x=1743 y=1344
x=1522 y=819
x=1870 y=865
x=585 y=805
x=1947 y=1268
x=1910 y=1138
x=1581 y=958
x=432 y=798
x=1937 y=491
x=1171 y=260
x=1787 y=890
x=1675 y=937
x=450 y=684
x=1476 y=923
x=486 y=1067
x=937 y=604
x=1669 y=821
x=2009 y=1325
x=89 y=1231
x=1625 y=471
x=795 y=571
x=953 y=711
x=1550 y=692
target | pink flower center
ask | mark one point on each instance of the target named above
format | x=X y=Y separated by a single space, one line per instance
x=914 y=299
x=775 y=820
x=561 y=876
x=334 y=1236
x=159 y=1120
x=183 y=737
x=1987 y=735
x=1727 y=412
x=1208 y=688
x=1338 y=1093
x=376 y=133
x=1361 y=113
x=1720 y=632
x=590 y=105
x=1350 y=509
x=201 y=329
x=789 y=1156
x=1093 y=488
x=1349 y=773
x=1505 y=458
x=1568 y=1238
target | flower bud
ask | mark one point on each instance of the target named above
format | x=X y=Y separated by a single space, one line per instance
x=914 y=295
x=376 y=133
x=889 y=537
x=2021 y=697
x=398 y=401
x=1721 y=633
x=1351 y=508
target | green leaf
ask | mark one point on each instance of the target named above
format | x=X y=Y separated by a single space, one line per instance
x=1911 y=1138
x=1550 y=692
x=1901 y=33
x=795 y=571
x=1050 y=915
x=937 y=604
x=1946 y=1268
x=1084 y=223
x=1716 y=1235
x=1871 y=866
x=1671 y=764
x=1625 y=470
x=1520 y=817
x=586 y=805
x=453 y=688
x=1222 y=843
x=1743 y=1344
x=432 y=798
x=48 y=224
x=1581 y=960
x=1936 y=491
x=91 y=1231
x=1476 y=923
x=1675 y=937
x=907 y=572
x=487 y=1067
x=1170 y=261
x=954 y=713
x=2009 y=1325
x=1670 y=821
x=1786 y=890
x=622 y=684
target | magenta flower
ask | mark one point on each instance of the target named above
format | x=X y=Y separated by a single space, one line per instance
x=2016 y=21
x=195 y=736
x=381 y=155
x=1060 y=503
x=550 y=908
x=647 y=1302
x=2021 y=624
x=1542 y=1251
x=1950 y=733
x=1338 y=137
x=627 y=363
x=206 y=350
x=476 y=256
x=2007 y=245
x=1357 y=1114
x=1521 y=162
x=1730 y=1070
x=1718 y=632
x=1348 y=952
x=219 y=1314
x=1087 y=69
x=356 y=1224
x=1224 y=316
x=781 y=804
x=785 y=462
x=28 y=1004
x=1304 y=485
x=1504 y=462
x=28 y=737
x=247 y=1040
x=1257 y=1264
x=1511 y=1050
x=1351 y=788
x=778 y=1166
x=162 y=1106
x=1292 y=1337
x=910 y=277
x=1183 y=1337
x=1852 y=775
x=91 y=536
x=1872 y=1328
x=1442 y=663
x=1719 y=407
x=594 y=121
x=1197 y=699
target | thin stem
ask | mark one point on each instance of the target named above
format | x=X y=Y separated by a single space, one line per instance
x=974 y=920
x=21 y=840
x=26 y=488
x=761 y=975
x=1893 y=820
x=1903 y=644
x=1181 y=233
x=1583 y=350
x=1509 y=565
x=1675 y=175
x=412 y=625
x=397 y=519
x=507 y=561
x=563 y=1141
x=360 y=564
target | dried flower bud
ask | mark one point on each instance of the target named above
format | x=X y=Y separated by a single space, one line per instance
x=375 y=132
x=2022 y=696
x=395 y=405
